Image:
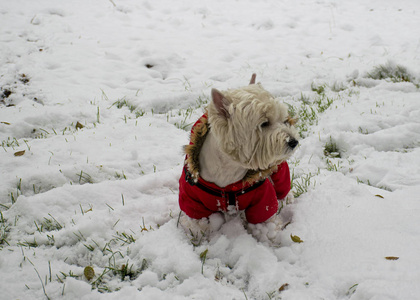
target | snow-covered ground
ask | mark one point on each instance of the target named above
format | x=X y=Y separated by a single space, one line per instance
x=133 y=75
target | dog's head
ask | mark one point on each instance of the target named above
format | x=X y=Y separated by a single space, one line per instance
x=252 y=127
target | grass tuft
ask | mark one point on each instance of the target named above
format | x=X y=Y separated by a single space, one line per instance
x=120 y=103
x=331 y=149
x=4 y=231
x=48 y=224
x=392 y=72
x=300 y=185
x=309 y=110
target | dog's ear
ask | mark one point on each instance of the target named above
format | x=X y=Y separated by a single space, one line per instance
x=253 y=77
x=220 y=102
x=291 y=121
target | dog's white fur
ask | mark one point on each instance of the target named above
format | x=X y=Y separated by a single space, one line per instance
x=249 y=131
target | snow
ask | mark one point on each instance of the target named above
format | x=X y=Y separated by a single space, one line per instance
x=136 y=75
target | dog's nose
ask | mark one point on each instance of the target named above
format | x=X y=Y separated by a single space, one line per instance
x=293 y=143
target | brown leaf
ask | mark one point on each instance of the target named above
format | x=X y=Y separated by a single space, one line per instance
x=79 y=125
x=379 y=196
x=391 y=257
x=283 y=287
x=19 y=153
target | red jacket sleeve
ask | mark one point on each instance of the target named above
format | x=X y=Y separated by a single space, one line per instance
x=189 y=202
x=281 y=180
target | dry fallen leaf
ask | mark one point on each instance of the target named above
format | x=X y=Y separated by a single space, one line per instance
x=391 y=257
x=283 y=287
x=19 y=153
x=79 y=125
x=379 y=196
x=296 y=239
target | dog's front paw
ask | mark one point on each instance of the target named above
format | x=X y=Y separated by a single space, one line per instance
x=194 y=227
x=268 y=231
x=200 y=229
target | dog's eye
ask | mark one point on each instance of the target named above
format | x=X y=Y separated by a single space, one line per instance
x=265 y=124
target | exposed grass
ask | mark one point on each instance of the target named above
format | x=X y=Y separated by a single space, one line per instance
x=120 y=175
x=124 y=238
x=203 y=257
x=301 y=184
x=112 y=265
x=331 y=149
x=186 y=115
x=352 y=289
x=48 y=224
x=368 y=182
x=197 y=238
x=320 y=89
x=363 y=131
x=322 y=103
x=84 y=177
x=308 y=113
x=118 y=267
x=180 y=118
x=29 y=244
x=4 y=231
x=44 y=227
x=333 y=166
x=10 y=143
x=392 y=72
x=310 y=108
x=120 y=103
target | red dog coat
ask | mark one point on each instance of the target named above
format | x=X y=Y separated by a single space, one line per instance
x=257 y=193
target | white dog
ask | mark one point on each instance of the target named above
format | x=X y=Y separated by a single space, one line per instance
x=236 y=160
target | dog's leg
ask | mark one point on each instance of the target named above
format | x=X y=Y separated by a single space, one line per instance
x=200 y=229
x=194 y=227
x=268 y=231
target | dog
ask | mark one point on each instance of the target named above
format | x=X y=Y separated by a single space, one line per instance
x=236 y=160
